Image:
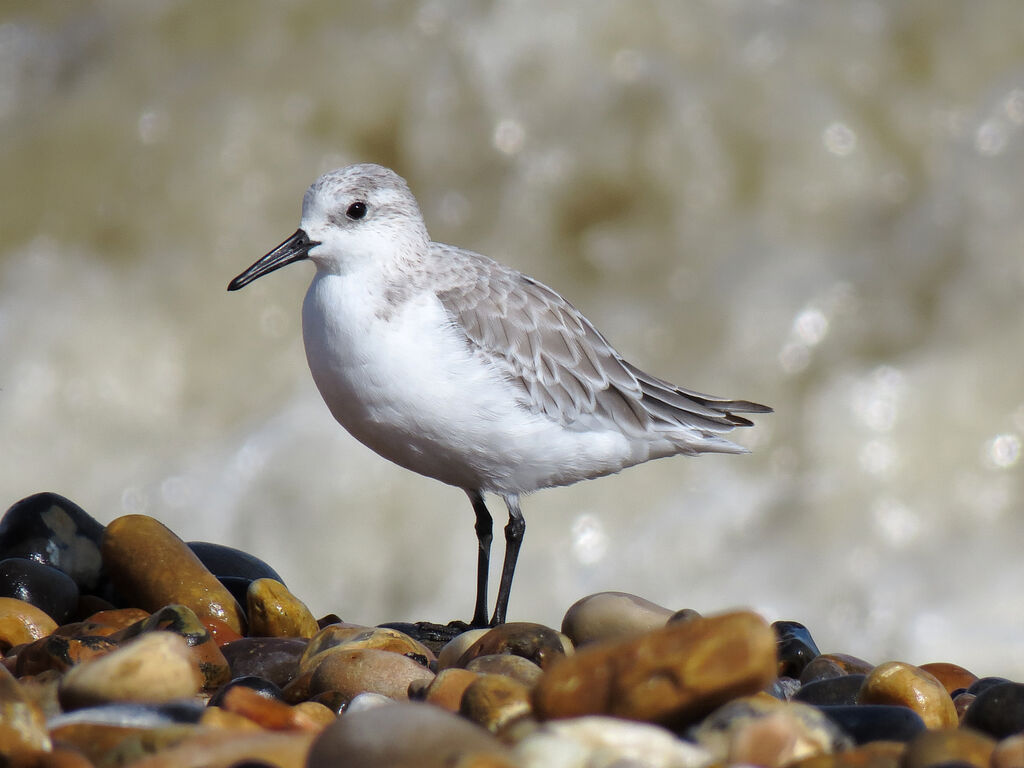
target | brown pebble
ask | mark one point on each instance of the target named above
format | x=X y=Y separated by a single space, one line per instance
x=22 y=622
x=672 y=675
x=118 y=618
x=113 y=745
x=356 y=636
x=896 y=682
x=352 y=671
x=275 y=612
x=1009 y=753
x=447 y=688
x=535 y=642
x=269 y=714
x=516 y=667
x=962 y=702
x=494 y=701
x=152 y=567
x=952 y=745
x=222 y=749
x=952 y=676
x=875 y=754
x=611 y=616
x=61 y=653
x=157 y=666
x=61 y=757
x=22 y=723
x=830 y=665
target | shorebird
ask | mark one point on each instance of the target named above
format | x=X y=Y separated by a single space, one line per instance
x=467 y=371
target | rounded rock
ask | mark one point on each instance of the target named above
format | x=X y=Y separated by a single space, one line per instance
x=48 y=589
x=350 y=636
x=998 y=710
x=54 y=531
x=829 y=665
x=351 y=671
x=611 y=616
x=516 y=667
x=672 y=675
x=447 y=688
x=876 y=722
x=494 y=701
x=227 y=562
x=152 y=567
x=405 y=735
x=796 y=647
x=831 y=691
x=156 y=667
x=452 y=651
x=22 y=622
x=273 y=658
x=275 y=612
x=535 y=642
x=1009 y=753
x=23 y=731
x=959 y=745
x=896 y=682
x=952 y=676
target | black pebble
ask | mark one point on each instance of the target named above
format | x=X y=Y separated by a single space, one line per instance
x=998 y=710
x=48 y=589
x=261 y=685
x=831 y=691
x=876 y=722
x=796 y=647
x=982 y=684
x=273 y=658
x=223 y=561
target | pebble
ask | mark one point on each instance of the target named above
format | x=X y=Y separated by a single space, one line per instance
x=829 y=665
x=356 y=636
x=896 y=682
x=535 y=642
x=765 y=732
x=406 y=735
x=446 y=689
x=796 y=647
x=452 y=651
x=227 y=562
x=151 y=567
x=670 y=675
x=54 y=531
x=260 y=685
x=273 y=611
x=879 y=754
x=831 y=691
x=952 y=745
x=611 y=616
x=48 y=589
x=22 y=622
x=998 y=710
x=516 y=667
x=59 y=653
x=603 y=742
x=22 y=723
x=157 y=666
x=220 y=749
x=952 y=676
x=274 y=658
x=1009 y=753
x=494 y=701
x=351 y=671
x=876 y=722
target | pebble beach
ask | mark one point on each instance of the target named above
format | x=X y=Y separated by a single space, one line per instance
x=125 y=645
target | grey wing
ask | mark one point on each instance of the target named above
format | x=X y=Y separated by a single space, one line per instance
x=563 y=366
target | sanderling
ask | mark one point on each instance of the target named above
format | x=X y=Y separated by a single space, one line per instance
x=464 y=370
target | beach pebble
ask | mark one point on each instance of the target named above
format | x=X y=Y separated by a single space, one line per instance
x=23 y=728
x=896 y=682
x=351 y=671
x=22 y=622
x=356 y=636
x=516 y=667
x=796 y=647
x=157 y=666
x=829 y=665
x=949 y=746
x=535 y=642
x=670 y=675
x=952 y=676
x=54 y=531
x=611 y=616
x=494 y=701
x=224 y=561
x=48 y=589
x=998 y=710
x=1009 y=753
x=831 y=691
x=406 y=735
x=876 y=722
x=220 y=748
x=59 y=653
x=273 y=658
x=273 y=611
x=452 y=651
x=446 y=689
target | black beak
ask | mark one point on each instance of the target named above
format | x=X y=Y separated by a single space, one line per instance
x=295 y=248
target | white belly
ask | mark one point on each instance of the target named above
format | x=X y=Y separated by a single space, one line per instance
x=407 y=386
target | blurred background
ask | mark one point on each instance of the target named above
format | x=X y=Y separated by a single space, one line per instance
x=815 y=206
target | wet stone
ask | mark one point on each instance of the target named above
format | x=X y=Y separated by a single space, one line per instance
x=952 y=676
x=896 y=682
x=516 y=667
x=961 y=745
x=223 y=561
x=151 y=567
x=61 y=653
x=275 y=612
x=405 y=735
x=356 y=636
x=260 y=685
x=535 y=642
x=352 y=671
x=157 y=666
x=22 y=622
x=273 y=658
x=998 y=710
x=54 y=531
x=611 y=616
x=796 y=647
x=831 y=691
x=876 y=722
x=829 y=665
x=672 y=675
x=47 y=588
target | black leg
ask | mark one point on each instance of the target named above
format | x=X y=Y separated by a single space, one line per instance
x=484 y=526
x=513 y=540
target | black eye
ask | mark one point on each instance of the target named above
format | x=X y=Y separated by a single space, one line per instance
x=356 y=210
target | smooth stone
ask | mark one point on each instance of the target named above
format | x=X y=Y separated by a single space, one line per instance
x=672 y=675
x=684 y=614
x=23 y=730
x=535 y=642
x=896 y=682
x=962 y=701
x=831 y=691
x=226 y=749
x=452 y=651
x=221 y=633
x=315 y=713
x=157 y=666
x=22 y=622
x=116 y=745
x=446 y=689
x=984 y=683
x=368 y=700
x=54 y=531
x=611 y=616
x=273 y=658
x=1009 y=753
x=353 y=636
x=47 y=588
x=829 y=665
x=516 y=667
x=61 y=653
x=275 y=612
x=952 y=676
x=260 y=685
x=769 y=733
x=998 y=710
x=796 y=647
x=151 y=567
x=603 y=742
x=133 y=714
x=352 y=671
x=878 y=754
x=962 y=745
x=876 y=722
x=182 y=621
x=268 y=713
x=223 y=561
x=494 y=701
x=405 y=735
